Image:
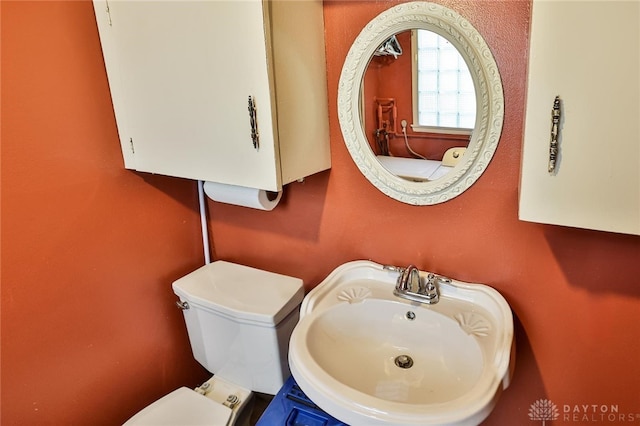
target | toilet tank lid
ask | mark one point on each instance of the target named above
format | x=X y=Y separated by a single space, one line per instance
x=241 y=292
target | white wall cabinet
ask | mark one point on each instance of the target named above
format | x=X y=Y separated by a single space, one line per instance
x=588 y=54
x=181 y=74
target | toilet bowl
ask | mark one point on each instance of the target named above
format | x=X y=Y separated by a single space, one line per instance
x=239 y=320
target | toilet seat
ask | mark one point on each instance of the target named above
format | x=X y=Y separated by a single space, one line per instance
x=182 y=407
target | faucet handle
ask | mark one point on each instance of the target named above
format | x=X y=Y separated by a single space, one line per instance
x=428 y=284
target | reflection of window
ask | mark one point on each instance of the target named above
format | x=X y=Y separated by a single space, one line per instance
x=444 y=96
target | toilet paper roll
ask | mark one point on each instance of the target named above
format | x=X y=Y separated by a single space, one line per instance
x=242 y=196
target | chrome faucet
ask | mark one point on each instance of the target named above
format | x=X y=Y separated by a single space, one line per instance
x=413 y=287
x=408 y=279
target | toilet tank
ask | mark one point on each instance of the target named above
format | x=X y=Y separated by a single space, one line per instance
x=239 y=320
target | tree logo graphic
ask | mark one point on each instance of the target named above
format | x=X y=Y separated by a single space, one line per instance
x=544 y=410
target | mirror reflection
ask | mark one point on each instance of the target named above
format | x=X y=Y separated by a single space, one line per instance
x=418 y=105
x=374 y=110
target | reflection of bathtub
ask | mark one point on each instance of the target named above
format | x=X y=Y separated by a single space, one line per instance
x=414 y=169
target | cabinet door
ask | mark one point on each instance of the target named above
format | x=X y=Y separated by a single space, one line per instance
x=181 y=73
x=588 y=54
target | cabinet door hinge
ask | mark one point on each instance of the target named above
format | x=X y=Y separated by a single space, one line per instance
x=133 y=151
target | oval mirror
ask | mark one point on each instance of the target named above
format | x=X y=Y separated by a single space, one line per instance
x=420 y=103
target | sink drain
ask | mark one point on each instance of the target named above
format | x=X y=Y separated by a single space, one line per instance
x=404 y=361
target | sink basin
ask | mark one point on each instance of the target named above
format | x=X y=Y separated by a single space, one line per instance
x=368 y=357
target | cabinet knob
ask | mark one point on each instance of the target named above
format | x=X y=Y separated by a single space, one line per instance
x=555 y=130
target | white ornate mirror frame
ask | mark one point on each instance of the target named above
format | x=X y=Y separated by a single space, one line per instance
x=489 y=96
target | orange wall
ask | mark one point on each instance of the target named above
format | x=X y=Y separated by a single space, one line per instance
x=89 y=330
x=90 y=333
x=575 y=293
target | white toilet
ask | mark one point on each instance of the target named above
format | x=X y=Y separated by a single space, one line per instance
x=239 y=320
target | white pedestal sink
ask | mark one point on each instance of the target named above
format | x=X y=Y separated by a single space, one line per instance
x=368 y=357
